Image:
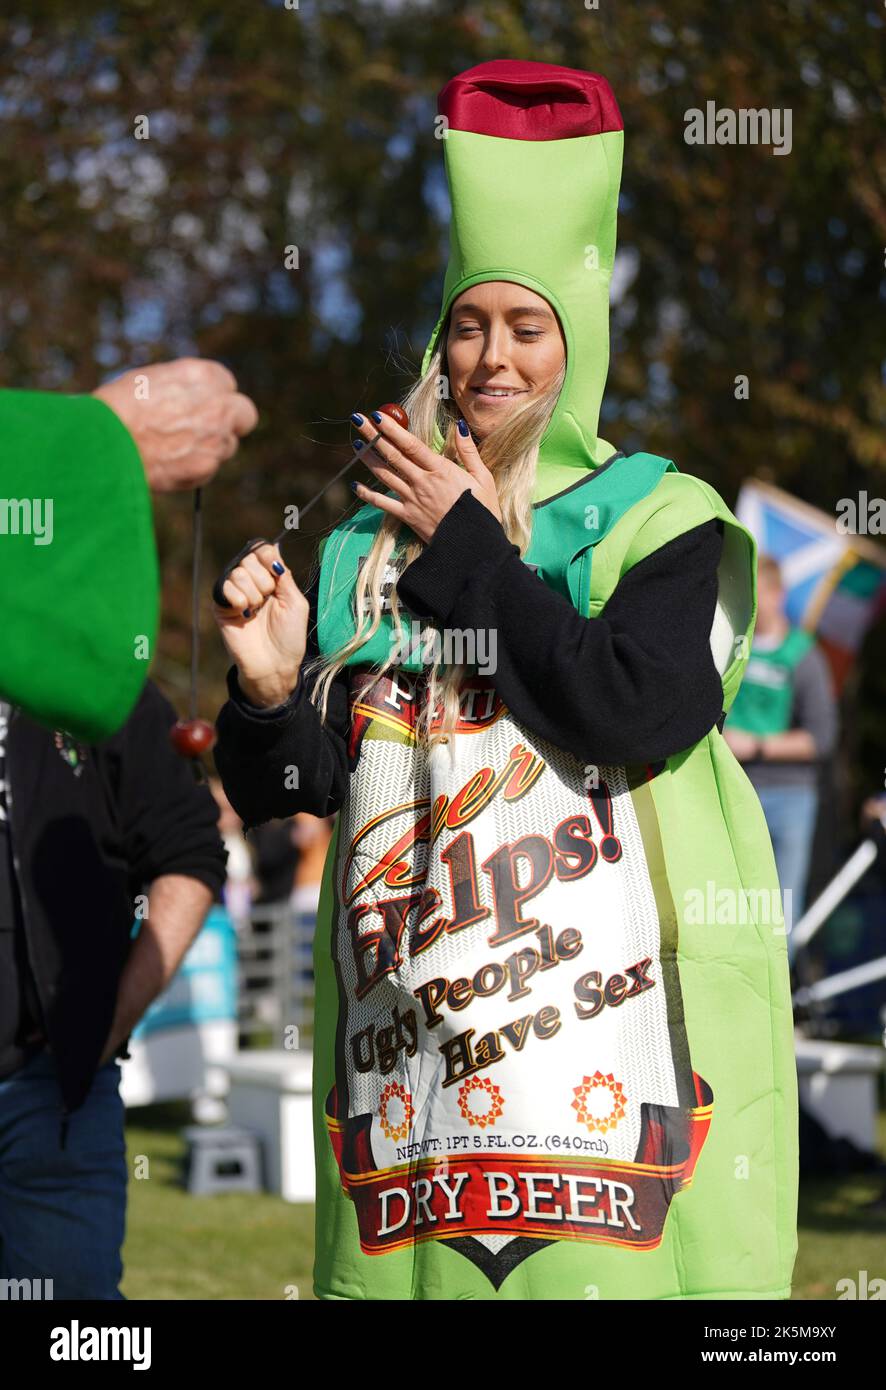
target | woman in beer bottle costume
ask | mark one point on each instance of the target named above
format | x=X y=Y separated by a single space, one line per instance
x=553 y=1052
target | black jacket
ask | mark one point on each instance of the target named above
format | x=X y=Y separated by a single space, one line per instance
x=634 y=685
x=85 y=844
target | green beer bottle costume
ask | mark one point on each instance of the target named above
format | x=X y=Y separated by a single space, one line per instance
x=540 y=1070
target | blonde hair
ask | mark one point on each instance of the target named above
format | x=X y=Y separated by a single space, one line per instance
x=510 y=452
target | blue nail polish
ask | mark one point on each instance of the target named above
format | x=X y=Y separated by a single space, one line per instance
x=376 y=417
x=463 y=429
x=247 y=612
x=357 y=419
x=278 y=568
x=354 y=486
x=358 y=443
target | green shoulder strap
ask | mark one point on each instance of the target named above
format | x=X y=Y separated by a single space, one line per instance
x=568 y=528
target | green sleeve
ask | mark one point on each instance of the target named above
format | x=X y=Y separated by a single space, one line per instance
x=78 y=563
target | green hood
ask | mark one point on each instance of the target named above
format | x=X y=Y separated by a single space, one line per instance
x=533 y=156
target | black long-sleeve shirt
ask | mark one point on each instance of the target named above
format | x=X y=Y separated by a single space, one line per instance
x=90 y=825
x=634 y=685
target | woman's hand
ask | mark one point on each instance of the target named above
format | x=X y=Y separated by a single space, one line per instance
x=427 y=484
x=266 y=628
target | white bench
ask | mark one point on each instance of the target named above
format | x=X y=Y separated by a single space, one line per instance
x=270 y=1093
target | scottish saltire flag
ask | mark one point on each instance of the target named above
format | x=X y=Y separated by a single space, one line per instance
x=835 y=581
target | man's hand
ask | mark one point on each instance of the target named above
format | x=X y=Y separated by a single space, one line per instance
x=186 y=417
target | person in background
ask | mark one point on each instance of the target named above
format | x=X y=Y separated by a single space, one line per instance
x=873 y=811
x=312 y=835
x=93 y=837
x=240 y=883
x=275 y=856
x=782 y=726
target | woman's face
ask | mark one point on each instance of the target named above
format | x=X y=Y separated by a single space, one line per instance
x=504 y=347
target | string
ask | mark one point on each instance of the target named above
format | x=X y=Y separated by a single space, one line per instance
x=195 y=597
x=303 y=511
x=287 y=530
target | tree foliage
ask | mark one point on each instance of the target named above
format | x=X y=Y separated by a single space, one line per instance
x=305 y=136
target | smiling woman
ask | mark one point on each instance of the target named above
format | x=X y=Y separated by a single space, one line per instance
x=504 y=346
x=522 y=1037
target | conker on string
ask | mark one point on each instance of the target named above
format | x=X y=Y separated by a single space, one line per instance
x=191 y=737
x=396 y=412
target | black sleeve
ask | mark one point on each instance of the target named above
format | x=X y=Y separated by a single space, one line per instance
x=634 y=685
x=276 y=762
x=168 y=821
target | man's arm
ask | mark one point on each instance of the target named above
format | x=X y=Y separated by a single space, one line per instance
x=168 y=822
x=177 y=908
x=169 y=837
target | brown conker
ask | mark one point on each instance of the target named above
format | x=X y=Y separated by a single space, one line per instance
x=191 y=737
x=396 y=412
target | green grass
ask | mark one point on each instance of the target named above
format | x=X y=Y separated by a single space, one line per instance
x=229 y=1246
x=232 y=1246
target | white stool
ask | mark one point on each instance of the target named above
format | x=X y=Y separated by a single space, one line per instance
x=221 y=1158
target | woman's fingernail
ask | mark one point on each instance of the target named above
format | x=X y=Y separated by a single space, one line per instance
x=247 y=612
x=376 y=417
x=463 y=429
x=354 y=487
x=278 y=568
x=357 y=419
x=358 y=443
